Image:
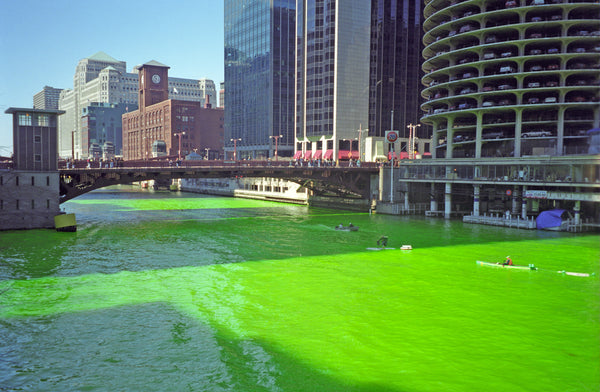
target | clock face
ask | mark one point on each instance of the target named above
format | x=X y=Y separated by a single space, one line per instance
x=156 y=78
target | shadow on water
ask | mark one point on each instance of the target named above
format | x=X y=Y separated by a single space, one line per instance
x=151 y=347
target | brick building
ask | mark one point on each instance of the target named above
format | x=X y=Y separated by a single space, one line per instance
x=182 y=126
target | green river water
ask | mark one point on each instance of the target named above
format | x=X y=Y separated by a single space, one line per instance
x=161 y=291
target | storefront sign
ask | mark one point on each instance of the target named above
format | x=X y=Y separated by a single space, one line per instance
x=536 y=194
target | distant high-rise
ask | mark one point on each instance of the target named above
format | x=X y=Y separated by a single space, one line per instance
x=395 y=75
x=209 y=92
x=103 y=79
x=332 y=79
x=259 y=75
x=47 y=99
x=222 y=95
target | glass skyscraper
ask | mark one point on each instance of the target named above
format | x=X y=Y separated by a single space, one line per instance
x=332 y=79
x=395 y=74
x=259 y=77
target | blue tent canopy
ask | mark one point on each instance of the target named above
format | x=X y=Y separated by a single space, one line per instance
x=550 y=218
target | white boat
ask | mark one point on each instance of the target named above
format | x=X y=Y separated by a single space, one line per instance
x=500 y=265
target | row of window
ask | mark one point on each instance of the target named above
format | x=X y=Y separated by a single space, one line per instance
x=32 y=180
x=19 y=205
x=40 y=120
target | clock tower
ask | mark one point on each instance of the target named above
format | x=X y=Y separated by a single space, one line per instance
x=153 y=83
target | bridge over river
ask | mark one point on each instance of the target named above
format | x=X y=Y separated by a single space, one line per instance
x=343 y=180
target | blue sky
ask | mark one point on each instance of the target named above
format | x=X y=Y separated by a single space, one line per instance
x=41 y=42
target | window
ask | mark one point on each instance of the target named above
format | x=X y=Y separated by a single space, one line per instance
x=32 y=204
x=43 y=120
x=32 y=180
x=47 y=180
x=37 y=139
x=37 y=158
x=17 y=204
x=48 y=203
x=17 y=181
x=25 y=119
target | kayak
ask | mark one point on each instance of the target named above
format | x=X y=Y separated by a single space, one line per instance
x=521 y=267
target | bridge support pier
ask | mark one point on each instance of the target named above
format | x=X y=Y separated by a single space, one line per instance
x=476 y=189
x=433 y=205
x=448 y=201
x=524 y=204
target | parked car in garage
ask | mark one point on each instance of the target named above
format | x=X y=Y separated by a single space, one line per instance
x=536 y=134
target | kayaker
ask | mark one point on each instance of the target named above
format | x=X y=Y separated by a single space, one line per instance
x=382 y=241
x=508 y=261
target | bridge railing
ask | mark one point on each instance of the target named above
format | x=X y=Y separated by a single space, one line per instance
x=208 y=163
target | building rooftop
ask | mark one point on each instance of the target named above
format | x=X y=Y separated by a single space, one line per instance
x=153 y=63
x=101 y=56
x=32 y=110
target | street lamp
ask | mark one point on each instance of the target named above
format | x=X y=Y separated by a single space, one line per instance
x=235 y=147
x=360 y=131
x=411 y=140
x=207 y=149
x=276 y=137
x=179 y=134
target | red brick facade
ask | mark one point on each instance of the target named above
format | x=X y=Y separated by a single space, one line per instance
x=162 y=119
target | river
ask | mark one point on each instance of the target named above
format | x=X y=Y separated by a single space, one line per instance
x=163 y=291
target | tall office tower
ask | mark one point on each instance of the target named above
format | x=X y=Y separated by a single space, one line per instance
x=259 y=75
x=395 y=75
x=47 y=98
x=511 y=78
x=332 y=78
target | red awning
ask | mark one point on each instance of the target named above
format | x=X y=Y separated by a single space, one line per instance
x=298 y=154
x=328 y=154
x=345 y=154
x=318 y=154
x=404 y=155
x=307 y=154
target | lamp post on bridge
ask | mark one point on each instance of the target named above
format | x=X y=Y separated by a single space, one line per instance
x=235 y=147
x=207 y=150
x=179 y=152
x=411 y=140
x=276 y=137
x=360 y=131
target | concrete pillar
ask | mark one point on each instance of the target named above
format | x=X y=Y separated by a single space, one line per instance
x=381 y=171
x=577 y=208
x=476 y=200
x=448 y=201
x=515 y=201
x=433 y=203
x=577 y=211
x=524 y=204
x=406 y=201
